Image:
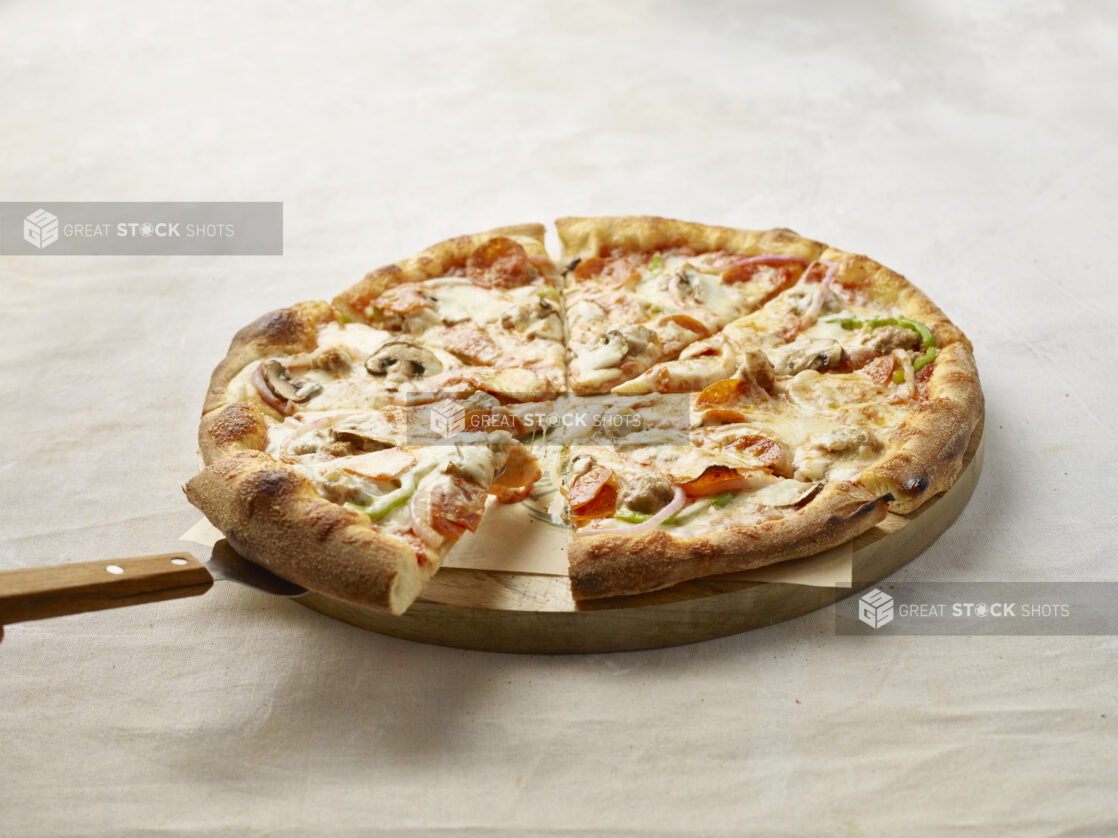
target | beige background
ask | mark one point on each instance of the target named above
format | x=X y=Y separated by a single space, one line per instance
x=971 y=149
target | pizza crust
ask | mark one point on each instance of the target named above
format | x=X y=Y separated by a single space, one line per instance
x=925 y=455
x=585 y=237
x=619 y=565
x=272 y=514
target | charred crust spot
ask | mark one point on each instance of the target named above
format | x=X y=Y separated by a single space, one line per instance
x=916 y=484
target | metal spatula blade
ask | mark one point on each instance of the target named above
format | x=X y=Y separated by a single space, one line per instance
x=227 y=564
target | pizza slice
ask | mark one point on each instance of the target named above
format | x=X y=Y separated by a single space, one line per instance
x=640 y=290
x=340 y=502
x=486 y=305
x=646 y=519
x=309 y=469
x=851 y=334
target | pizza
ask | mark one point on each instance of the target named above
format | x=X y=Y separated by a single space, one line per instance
x=744 y=398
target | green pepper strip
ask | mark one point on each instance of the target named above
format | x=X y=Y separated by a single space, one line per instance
x=723 y=500
x=380 y=506
x=655 y=264
x=926 y=337
x=630 y=517
x=683 y=516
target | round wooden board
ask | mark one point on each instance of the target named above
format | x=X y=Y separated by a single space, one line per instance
x=519 y=612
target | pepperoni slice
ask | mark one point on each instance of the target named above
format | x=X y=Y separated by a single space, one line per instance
x=593 y=494
x=588 y=268
x=498 y=263
x=515 y=482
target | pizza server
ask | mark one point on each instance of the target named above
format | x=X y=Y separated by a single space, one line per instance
x=35 y=593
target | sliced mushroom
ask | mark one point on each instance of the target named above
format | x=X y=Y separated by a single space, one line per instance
x=807 y=355
x=333 y=360
x=684 y=285
x=401 y=360
x=756 y=367
x=284 y=387
x=580 y=464
x=538 y=318
x=356 y=440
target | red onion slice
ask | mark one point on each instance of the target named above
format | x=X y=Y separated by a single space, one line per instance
x=821 y=297
x=752 y=260
x=419 y=510
x=283 y=406
x=677 y=503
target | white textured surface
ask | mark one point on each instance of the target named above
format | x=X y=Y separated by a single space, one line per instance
x=973 y=147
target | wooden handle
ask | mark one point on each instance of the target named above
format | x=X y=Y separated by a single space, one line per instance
x=35 y=593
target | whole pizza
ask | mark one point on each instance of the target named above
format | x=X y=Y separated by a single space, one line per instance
x=717 y=400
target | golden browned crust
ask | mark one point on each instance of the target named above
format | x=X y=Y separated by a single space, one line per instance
x=585 y=237
x=618 y=565
x=925 y=455
x=435 y=261
x=273 y=515
x=239 y=426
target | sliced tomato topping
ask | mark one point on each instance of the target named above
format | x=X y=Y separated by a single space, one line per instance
x=498 y=263
x=880 y=370
x=817 y=272
x=456 y=505
x=714 y=481
x=593 y=494
x=515 y=482
x=613 y=272
x=787 y=272
x=687 y=322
